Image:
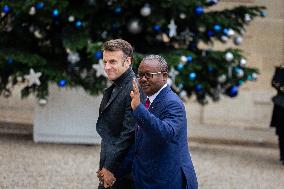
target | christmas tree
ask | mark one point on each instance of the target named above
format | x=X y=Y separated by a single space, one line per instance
x=48 y=41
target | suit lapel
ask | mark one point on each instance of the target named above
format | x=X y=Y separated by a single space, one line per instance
x=106 y=96
x=112 y=97
x=159 y=98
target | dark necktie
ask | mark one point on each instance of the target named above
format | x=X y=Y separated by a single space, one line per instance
x=147 y=103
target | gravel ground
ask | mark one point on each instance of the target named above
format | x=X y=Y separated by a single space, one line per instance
x=27 y=165
x=234 y=167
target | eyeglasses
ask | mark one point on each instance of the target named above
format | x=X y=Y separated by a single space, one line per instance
x=147 y=75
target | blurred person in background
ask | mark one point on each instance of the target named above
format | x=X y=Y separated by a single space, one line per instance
x=277 y=119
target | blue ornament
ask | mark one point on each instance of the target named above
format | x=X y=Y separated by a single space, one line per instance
x=232 y=91
x=78 y=24
x=10 y=61
x=263 y=14
x=180 y=67
x=198 y=88
x=55 y=12
x=39 y=5
x=192 y=76
x=189 y=58
x=180 y=85
x=156 y=28
x=6 y=9
x=99 y=55
x=217 y=27
x=210 y=33
x=199 y=10
x=226 y=31
x=62 y=83
x=210 y=69
x=118 y=9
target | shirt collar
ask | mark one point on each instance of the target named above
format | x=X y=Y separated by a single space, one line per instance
x=152 y=98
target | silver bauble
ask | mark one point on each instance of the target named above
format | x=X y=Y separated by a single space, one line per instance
x=134 y=26
x=146 y=10
x=32 y=11
x=222 y=78
x=224 y=38
x=240 y=73
x=238 y=40
x=42 y=102
x=229 y=56
x=243 y=62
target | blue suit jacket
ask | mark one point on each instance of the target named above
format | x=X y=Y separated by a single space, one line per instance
x=161 y=150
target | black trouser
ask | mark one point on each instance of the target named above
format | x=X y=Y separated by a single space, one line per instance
x=281 y=145
x=122 y=183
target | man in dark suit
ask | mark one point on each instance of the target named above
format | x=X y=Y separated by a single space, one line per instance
x=162 y=159
x=115 y=123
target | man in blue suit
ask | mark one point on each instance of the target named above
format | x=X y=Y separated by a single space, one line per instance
x=162 y=159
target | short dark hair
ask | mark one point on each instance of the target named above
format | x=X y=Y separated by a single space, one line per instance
x=163 y=63
x=118 y=44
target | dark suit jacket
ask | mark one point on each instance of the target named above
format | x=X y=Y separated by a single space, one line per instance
x=162 y=155
x=116 y=126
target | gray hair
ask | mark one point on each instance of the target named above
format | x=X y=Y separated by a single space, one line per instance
x=163 y=63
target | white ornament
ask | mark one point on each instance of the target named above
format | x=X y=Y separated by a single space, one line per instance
x=183 y=94
x=182 y=15
x=247 y=18
x=224 y=38
x=254 y=76
x=134 y=26
x=173 y=28
x=183 y=59
x=71 y=18
x=222 y=78
x=42 y=102
x=231 y=32
x=229 y=56
x=146 y=10
x=243 y=62
x=33 y=78
x=73 y=57
x=238 y=40
x=38 y=35
x=99 y=69
x=32 y=11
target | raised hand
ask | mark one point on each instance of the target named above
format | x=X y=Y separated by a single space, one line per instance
x=135 y=95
